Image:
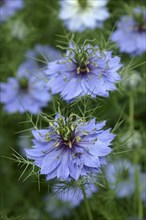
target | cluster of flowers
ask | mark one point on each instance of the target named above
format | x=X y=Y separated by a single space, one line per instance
x=79 y=15
x=83 y=71
x=28 y=91
x=71 y=148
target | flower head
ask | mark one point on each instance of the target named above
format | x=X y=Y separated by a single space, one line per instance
x=81 y=14
x=133 y=81
x=121 y=177
x=19 y=30
x=73 y=194
x=70 y=148
x=26 y=92
x=132 y=139
x=84 y=71
x=9 y=7
x=131 y=32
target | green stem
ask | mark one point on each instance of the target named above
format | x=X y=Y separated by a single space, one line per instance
x=87 y=204
x=140 y=208
x=138 y=195
x=131 y=111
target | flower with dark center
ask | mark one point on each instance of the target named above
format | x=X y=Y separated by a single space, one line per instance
x=131 y=32
x=9 y=7
x=25 y=92
x=85 y=70
x=79 y=15
x=121 y=177
x=124 y=174
x=70 y=148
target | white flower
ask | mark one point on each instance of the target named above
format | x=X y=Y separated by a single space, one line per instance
x=132 y=139
x=81 y=14
x=19 y=30
x=132 y=81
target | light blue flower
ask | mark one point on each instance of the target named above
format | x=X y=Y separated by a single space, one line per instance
x=25 y=92
x=9 y=7
x=84 y=71
x=73 y=194
x=121 y=177
x=70 y=148
x=130 y=35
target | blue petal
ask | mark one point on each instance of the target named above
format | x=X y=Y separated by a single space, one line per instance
x=90 y=160
x=63 y=169
x=50 y=162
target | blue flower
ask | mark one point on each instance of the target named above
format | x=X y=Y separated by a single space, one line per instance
x=131 y=33
x=26 y=92
x=70 y=148
x=73 y=194
x=79 y=15
x=84 y=71
x=41 y=55
x=9 y=7
x=121 y=178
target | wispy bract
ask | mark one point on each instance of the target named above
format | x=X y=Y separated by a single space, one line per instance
x=73 y=194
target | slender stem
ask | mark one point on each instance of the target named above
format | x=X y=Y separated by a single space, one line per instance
x=87 y=204
x=131 y=111
x=137 y=180
x=140 y=208
x=138 y=195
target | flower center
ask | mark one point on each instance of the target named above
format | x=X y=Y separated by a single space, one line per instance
x=141 y=23
x=23 y=83
x=82 y=62
x=2 y=2
x=124 y=174
x=66 y=131
x=142 y=27
x=41 y=61
x=83 y=4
